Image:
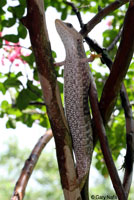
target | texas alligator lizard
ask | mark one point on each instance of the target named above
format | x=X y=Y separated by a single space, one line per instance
x=77 y=79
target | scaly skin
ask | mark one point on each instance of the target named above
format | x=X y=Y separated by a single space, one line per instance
x=77 y=79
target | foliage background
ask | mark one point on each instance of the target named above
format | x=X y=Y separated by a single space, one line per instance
x=19 y=82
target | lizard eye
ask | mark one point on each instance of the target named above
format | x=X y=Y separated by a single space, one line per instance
x=69 y=25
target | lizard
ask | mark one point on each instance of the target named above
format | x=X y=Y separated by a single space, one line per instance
x=77 y=79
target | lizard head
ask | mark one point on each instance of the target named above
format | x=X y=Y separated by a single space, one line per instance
x=69 y=36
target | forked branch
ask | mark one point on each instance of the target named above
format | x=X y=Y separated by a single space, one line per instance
x=101 y=14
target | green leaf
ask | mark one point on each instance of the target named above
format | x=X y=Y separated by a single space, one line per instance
x=109 y=36
x=8 y=23
x=11 y=38
x=12 y=82
x=2 y=88
x=17 y=11
x=104 y=171
x=45 y=122
x=36 y=75
x=54 y=54
x=18 y=74
x=27 y=119
x=33 y=96
x=23 y=99
x=22 y=3
x=32 y=93
x=11 y=123
x=34 y=89
x=22 y=32
x=14 y=111
x=3 y=3
x=2 y=12
x=1 y=114
x=98 y=165
x=60 y=86
x=1 y=41
x=64 y=14
x=29 y=59
x=4 y=105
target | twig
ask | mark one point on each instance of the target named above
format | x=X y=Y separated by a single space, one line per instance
x=75 y=9
x=14 y=45
x=37 y=103
x=10 y=67
x=30 y=163
x=59 y=64
x=101 y=14
x=105 y=58
x=29 y=110
x=32 y=112
x=129 y=158
x=116 y=39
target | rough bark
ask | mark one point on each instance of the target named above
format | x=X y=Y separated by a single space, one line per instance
x=129 y=158
x=120 y=65
x=36 y=24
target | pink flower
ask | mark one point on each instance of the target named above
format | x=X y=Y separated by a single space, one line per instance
x=11 y=57
x=109 y=23
x=7 y=42
x=17 y=64
x=13 y=52
x=2 y=60
x=0 y=34
x=17 y=48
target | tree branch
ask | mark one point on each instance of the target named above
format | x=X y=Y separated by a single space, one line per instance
x=43 y=56
x=119 y=67
x=92 y=44
x=76 y=11
x=101 y=14
x=116 y=39
x=104 y=142
x=29 y=166
x=129 y=158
